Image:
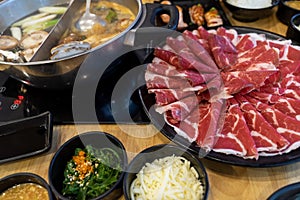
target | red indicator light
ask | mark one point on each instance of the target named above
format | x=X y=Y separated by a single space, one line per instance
x=18 y=102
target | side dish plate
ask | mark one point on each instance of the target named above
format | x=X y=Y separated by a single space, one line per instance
x=148 y=100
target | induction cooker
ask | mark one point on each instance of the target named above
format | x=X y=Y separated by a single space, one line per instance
x=19 y=100
x=27 y=113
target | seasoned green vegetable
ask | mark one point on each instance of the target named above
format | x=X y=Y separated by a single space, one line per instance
x=91 y=172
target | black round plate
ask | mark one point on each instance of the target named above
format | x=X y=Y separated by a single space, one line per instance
x=291 y=191
x=148 y=100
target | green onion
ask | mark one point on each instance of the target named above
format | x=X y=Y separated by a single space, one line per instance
x=39 y=20
x=111 y=16
x=53 y=9
x=30 y=18
x=40 y=26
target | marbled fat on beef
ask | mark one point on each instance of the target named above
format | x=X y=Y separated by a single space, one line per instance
x=288 y=106
x=183 y=61
x=290 y=93
x=287 y=126
x=200 y=126
x=224 y=52
x=180 y=109
x=261 y=57
x=235 y=137
x=198 y=49
x=163 y=82
x=167 y=96
x=266 y=138
x=193 y=77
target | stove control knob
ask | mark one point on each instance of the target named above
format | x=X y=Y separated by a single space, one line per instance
x=2 y=89
x=14 y=106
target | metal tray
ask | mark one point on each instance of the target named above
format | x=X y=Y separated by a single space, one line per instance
x=207 y=5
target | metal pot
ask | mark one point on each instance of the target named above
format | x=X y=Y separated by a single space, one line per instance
x=60 y=74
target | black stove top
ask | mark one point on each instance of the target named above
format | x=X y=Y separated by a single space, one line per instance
x=18 y=100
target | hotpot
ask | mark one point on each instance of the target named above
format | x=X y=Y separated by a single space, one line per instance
x=60 y=74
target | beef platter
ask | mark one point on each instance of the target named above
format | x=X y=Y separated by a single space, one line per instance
x=229 y=94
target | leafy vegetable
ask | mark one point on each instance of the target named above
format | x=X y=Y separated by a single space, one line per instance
x=111 y=16
x=91 y=172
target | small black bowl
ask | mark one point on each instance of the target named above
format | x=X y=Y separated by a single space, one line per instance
x=291 y=191
x=160 y=151
x=293 y=31
x=285 y=12
x=64 y=154
x=24 y=177
x=243 y=14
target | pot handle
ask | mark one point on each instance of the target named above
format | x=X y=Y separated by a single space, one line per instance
x=153 y=10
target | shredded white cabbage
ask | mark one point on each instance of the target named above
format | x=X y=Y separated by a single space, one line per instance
x=170 y=177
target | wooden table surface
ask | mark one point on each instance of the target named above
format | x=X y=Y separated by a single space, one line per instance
x=226 y=181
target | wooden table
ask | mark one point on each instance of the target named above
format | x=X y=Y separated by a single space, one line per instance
x=226 y=181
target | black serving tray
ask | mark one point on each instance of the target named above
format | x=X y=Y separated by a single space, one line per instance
x=25 y=137
x=207 y=5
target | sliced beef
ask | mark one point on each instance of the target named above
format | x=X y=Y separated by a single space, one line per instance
x=285 y=125
x=235 y=137
x=265 y=136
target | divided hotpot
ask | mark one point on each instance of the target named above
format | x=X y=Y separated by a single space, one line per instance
x=61 y=73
